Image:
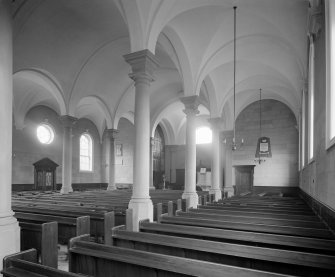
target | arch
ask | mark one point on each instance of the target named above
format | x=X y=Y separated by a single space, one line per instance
x=32 y=87
x=213 y=101
x=95 y=109
x=118 y=44
x=184 y=61
x=224 y=54
x=129 y=116
x=167 y=131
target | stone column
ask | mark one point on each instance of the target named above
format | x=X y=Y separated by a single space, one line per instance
x=228 y=168
x=9 y=228
x=216 y=157
x=111 y=135
x=143 y=64
x=191 y=110
x=151 y=171
x=68 y=122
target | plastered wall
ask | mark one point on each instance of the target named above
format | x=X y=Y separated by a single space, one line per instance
x=279 y=124
x=317 y=177
x=28 y=150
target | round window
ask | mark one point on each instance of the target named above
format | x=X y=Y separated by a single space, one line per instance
x=45 y=133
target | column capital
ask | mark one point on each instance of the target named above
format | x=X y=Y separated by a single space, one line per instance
x=143 y=64
x=191 y=105
x=68 y=121
x=111 y=133
x=315 y=15
x=216 y=123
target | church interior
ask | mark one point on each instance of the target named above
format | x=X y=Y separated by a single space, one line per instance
x=167 y=138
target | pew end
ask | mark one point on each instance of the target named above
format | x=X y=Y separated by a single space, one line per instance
x=27 y=255
x=83 y=225
x=110 y=234
x=109 y=224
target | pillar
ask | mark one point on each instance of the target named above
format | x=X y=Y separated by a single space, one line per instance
x=143 y=64
x=9 y=228
x=216 y=158
x=191 y=110
x=228 y=165
x=111 y=135
x=151 y=171
x=68 y=122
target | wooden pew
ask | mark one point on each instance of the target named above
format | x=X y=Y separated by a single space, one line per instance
x=68 y=227
x=267 y=220
x=256 y=214
x=260 y=258
x=268 y=210
x=297 y=209
x=92 y=258
x=43 y=237
x=305 y=244
x=287 y=230
x=98 y=220
x=24 y=264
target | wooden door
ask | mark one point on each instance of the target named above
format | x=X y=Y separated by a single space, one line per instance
x=244 y=178
x=180 y=178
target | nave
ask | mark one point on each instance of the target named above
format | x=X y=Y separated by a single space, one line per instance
x=248 y=235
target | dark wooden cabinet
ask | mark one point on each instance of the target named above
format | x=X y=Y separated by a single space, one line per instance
x=244 y=178
x=45 y=174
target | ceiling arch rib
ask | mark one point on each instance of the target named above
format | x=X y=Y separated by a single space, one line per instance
x=32 y=87
x=258 y=49
x=182 y=54
x=95 y=109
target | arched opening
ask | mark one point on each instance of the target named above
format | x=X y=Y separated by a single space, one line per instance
x=203 y=135
x=158 y=156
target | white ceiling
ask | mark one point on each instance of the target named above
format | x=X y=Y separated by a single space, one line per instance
x=68 y=55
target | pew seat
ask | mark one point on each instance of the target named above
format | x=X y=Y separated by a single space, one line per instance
x=260 y=258
x=24 y=264
x=101 y=261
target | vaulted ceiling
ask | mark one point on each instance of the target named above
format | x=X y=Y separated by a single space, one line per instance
x=68 y=55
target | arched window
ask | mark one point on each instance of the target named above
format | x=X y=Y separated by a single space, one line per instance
x=311 y=102
x=158 y=156
x=203 y=135
x=86 y=152
x=330 y=72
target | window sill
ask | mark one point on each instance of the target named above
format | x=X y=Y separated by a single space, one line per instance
x=330 y=144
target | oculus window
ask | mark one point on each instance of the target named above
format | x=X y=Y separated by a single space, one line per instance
x=45 y=133
x=330 y=72
x=203 y=135
x=86 y=152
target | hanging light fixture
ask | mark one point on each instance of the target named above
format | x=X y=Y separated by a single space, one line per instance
x=263 y=149
x=234 y=144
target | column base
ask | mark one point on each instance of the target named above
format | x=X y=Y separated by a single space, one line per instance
x=142 y=209
x=193 y=199
x=152 y=188
x=9 y=237
x=65 y=190
x=229 y=191
x=217 y=194
x=111 y=187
